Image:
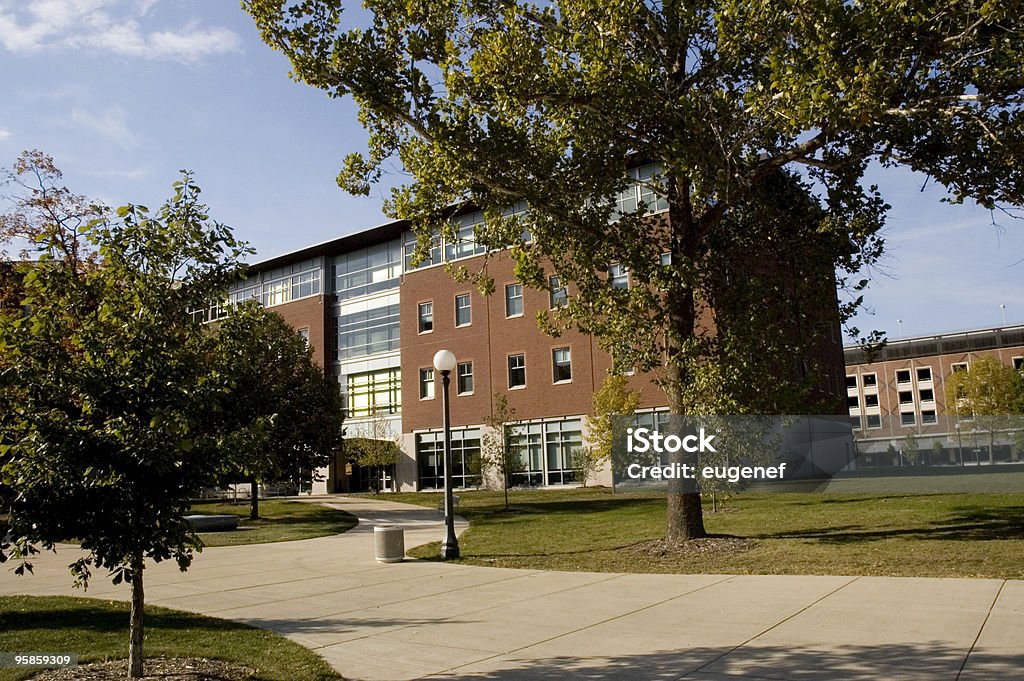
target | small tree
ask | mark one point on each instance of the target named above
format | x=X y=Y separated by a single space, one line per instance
x=911 y=449
x=496 y=453
x=284 y=413
x=105 y=387
x=990 y=393
x=937 y=451
x=614 y=398
x=377 y=449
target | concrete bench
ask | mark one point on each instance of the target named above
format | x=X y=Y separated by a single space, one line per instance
x=212 y=523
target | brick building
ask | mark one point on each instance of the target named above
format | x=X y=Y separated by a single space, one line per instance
x=901 y=390
x=375 y=321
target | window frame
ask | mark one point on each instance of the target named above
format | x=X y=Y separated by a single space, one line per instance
x=468 y=298
x=425 y=322
x=509 y=298
x=509 y=369
x=427 y=389
x=460 y=375
x=556 y=364
x=558 y=295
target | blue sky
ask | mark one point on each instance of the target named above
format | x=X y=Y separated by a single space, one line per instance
x=123 y=93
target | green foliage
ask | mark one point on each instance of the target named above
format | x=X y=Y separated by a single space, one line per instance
x=614 y=398
x=553 y=104
x=911 y=449
x=283 y=414
x=988 y=388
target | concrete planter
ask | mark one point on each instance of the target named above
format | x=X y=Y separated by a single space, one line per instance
x=389 y=543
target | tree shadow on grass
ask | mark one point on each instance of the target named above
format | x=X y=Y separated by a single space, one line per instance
x=966 y=525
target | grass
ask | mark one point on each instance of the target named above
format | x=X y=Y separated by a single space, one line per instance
x=98 y=631
x=280 y=520
x=924 y=535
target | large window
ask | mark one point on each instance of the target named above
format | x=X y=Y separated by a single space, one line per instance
x=280 y=285
x=374 y=393
x=465 y=378
x=513 y=300
x=561 y=363
x=516 y=371
x=463 y=310
x=368 y=270
x=360 y=331
x=465 y=458
x=545 y=451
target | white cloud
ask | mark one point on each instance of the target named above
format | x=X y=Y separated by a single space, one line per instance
x=111 y=26
x=111 y=124
x=4 y=134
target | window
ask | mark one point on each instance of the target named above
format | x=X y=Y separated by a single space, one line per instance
x=359 y=331
x=961 y=366
x=544 y=451
x=927 y=395
x=368 y=270
x=870 y=380
x=903 y=376
x=1018 y=363
x=465 y=378
x=665 y=259
x=618 y=276
x=558 y=293
x=304 y=334
x=906 y=397
x=463 y=310
x=516 y=371
x=851 y=382
x=855 y=422
x=562 y=365
x=928 y=416
x=426 y=384
x=376 y=392
x=924 y=374
x=907 y=419
x=513 y=300
x=874 y=421
x=426 y=317
x=853 y=402
x=871 y=400
x=465 y=458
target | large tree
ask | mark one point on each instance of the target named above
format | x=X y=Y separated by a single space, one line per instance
x=285 y=413
x=554 y=103
x=105 y=387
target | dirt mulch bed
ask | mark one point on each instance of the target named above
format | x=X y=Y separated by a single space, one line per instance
x=155 y=669
x=707 y=546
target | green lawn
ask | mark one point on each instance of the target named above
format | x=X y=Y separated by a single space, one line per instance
x=98 y=630
x=933 y=535
x=280 y=520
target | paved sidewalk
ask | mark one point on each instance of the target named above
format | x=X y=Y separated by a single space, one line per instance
x=420 y=619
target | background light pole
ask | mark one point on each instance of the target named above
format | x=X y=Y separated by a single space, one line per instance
x=444 y=362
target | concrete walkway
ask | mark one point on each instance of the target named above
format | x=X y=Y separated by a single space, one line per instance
x=419 y=619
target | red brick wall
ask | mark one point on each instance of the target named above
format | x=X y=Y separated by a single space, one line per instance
x=309 y=313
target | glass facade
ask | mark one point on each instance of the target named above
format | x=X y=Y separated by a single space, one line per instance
x=373 y=393
x=544 y=451
x=368 y=270
x=363 y=330
x=465 y=458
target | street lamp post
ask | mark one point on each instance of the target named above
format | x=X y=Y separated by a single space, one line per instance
x=959 y=443
x=444 y=362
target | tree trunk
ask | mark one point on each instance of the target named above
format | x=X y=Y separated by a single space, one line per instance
x=135 y=636
x=685 y=518
x=254 y=499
